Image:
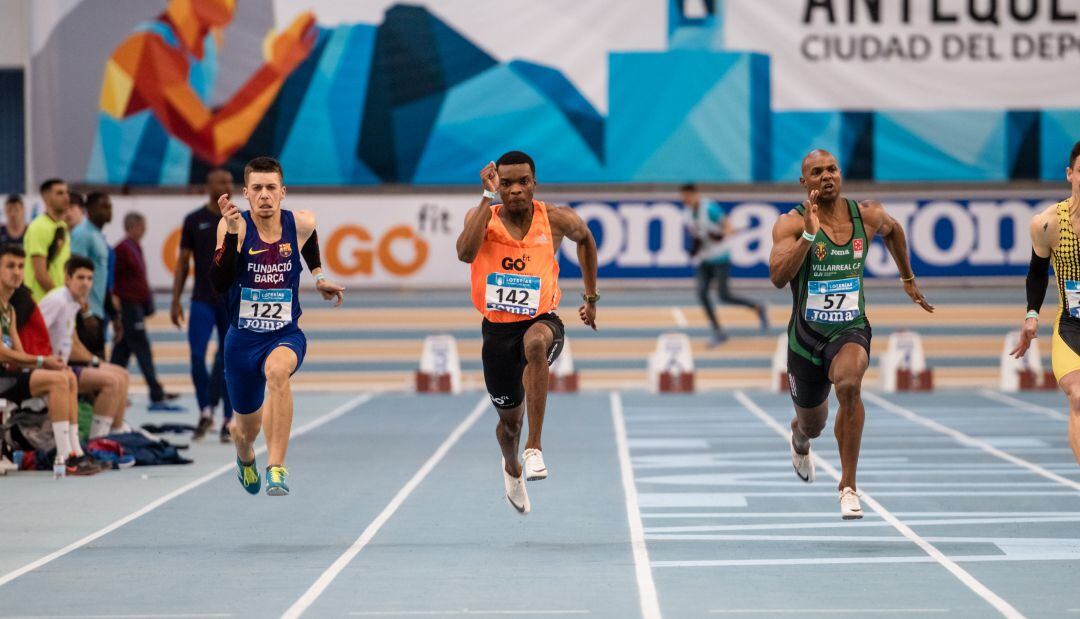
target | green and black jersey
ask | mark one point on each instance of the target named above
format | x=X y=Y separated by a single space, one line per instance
x=827 y=293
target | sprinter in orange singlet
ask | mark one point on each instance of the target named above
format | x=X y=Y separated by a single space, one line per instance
x=511 y=248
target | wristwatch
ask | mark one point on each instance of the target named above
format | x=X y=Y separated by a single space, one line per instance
x=590 y=298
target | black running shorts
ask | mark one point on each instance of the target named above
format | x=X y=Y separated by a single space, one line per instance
x=809 y=383
x=504 y=356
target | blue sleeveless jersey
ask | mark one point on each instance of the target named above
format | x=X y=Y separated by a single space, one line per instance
x=265 y=298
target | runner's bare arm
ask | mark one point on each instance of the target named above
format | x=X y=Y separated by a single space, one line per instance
x=566 y=223
x=789 y=248
x=892 y=233
x=476 y=220
x=1037 y=278
x=308 y=239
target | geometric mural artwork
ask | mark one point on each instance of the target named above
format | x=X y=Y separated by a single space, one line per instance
x=411 y=100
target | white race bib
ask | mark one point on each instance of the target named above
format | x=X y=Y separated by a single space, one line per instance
x=832 y=301
x=1072 y=297
x=265 y=310
x=516 y=294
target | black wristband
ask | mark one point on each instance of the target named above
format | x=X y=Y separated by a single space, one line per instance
x=310 y=252
x=1037 y=278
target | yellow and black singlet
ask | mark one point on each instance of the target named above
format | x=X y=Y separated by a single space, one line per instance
x=1065 y=349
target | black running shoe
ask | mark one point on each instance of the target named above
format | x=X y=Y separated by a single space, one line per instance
x=226 y=436
x=205 y=425
x=82 y=465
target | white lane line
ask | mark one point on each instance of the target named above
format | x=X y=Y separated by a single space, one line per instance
x=308 y=427
x=328 y=576
x=464 y=611
x=970 y=441
x=804 y=515
x=997 y=396
x=869 y=612
x=960 y=573
x=650 y=604
x=679 y=317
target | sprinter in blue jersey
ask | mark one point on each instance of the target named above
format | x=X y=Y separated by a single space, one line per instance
x=257 y=267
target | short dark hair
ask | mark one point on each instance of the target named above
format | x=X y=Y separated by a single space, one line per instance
x=13 y=198
x=94 y=197
x=76 y=199
x=688 y=187
x=76 y=262
x=50 y=183
x=12 y=249
x=263 y=164
x=1074 y=154
x=132 y=218
x=516 y=157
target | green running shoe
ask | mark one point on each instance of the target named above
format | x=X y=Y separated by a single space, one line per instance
x=248 y=474
x=275 y=481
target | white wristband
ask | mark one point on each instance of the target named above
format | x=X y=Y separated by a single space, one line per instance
x=1032 y=314
x=320 y=277
x=490 y=195
x=809 y=237
x=40 y=361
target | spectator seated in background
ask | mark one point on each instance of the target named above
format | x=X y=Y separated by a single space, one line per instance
x=25 y=375
x=14 y=226
x=105 y=383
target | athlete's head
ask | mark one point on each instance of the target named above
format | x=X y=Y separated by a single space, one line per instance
x=76 y=211
x=1073 y=174
x=821 y=172
x=134 y=226
x=517 y=180
x=12 y=261
x=99 y=208
x=14 y=209
x=218 y=181
x=264 y=186
x=690 y=195
x=79 y=276
x=54 y=193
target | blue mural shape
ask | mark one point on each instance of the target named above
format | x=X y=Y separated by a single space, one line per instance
x=413 y=101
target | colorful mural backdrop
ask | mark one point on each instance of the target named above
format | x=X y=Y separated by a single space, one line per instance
x=604 y=91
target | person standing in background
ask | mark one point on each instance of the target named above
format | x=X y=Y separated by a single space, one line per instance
x=711 y=230
x=136 y=303
x=14 y=226
x=46 y=243
x=87 y=239
x=198 y=240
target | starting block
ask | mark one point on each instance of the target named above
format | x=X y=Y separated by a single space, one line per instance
x=562 y=377
x=440 y=366
x=1025 y=373
x=671 y=366
x=779 y=382
x=903 y=368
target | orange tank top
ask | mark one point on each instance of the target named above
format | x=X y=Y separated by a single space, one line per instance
x=516 y=280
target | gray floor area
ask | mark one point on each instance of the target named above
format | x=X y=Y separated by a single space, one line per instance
x=397 y=511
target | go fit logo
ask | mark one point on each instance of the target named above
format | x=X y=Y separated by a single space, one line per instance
x=351 y=250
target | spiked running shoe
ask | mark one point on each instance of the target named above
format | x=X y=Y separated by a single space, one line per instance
x=533 y=461
x=802 y=463
x=850 y=509
x=275 y=481
x=248 y=474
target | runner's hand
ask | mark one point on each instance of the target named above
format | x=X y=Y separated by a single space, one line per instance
x=176 y=314
x=1029 y=332
x=587 y=311
x=811 y=223
x=231 y=213
x=330 y=290
x=912 y=290
x=489 y=176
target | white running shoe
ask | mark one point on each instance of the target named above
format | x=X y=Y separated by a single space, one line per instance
x=533 y=461
x=850 y=509
x=515 y=491
x=804 y=464
x=7 y=465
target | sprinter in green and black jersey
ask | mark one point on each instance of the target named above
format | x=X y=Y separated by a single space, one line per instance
x=819 y=248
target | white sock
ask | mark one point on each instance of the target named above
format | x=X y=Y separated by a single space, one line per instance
x=63 y=443
x=100 y=426
x=207 y=412
x=73 y=436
